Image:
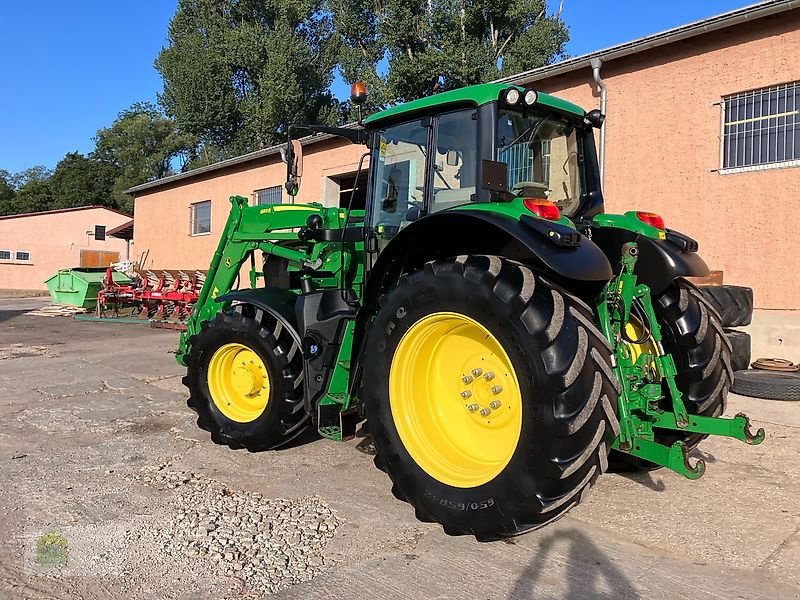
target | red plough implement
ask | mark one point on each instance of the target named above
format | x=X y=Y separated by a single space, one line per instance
x=161 y=296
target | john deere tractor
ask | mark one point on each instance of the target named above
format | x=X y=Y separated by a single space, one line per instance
x=502 y=337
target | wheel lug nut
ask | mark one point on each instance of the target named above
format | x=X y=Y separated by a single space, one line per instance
x=496 y=389
x=467 y=379
x=466 y=394
x=488 y=376
x=494 y=404
x=477 y=372
x=485 y=412
x=473 y=407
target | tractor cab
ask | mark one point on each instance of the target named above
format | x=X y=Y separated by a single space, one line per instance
x=479 y=144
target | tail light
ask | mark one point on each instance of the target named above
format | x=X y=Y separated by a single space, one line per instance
x=542 y=208
x=651 y=219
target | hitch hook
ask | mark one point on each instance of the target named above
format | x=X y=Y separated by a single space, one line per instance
x=689 y=471
x=749 y=438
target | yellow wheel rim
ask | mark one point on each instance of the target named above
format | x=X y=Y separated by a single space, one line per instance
x=634 y=330
x=238 y=382
x=455 y=399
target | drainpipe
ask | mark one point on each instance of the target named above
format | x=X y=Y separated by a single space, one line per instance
x=596 y=64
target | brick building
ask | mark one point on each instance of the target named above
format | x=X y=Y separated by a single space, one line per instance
x=703 y=127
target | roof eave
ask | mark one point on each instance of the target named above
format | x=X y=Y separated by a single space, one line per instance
x=662 y=38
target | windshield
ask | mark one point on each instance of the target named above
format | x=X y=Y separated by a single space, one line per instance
x=542 y=157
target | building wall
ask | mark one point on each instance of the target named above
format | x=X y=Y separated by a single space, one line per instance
x=663 y=148
x=54 y=241
x=163 y=217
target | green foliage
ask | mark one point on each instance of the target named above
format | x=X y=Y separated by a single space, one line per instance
x=436 y=45
x=142 y=144
x=81 y=181
x=37 y=173
x=34 y=196
x=26 y=191
x=237 y=72
x=7 y=193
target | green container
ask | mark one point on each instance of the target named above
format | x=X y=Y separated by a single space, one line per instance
x=79 y=287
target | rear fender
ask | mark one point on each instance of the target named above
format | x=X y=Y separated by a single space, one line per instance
x=660 y=261
x=277 y=302
x=453 y=233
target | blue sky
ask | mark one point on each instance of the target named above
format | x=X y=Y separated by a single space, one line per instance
x=68 y=68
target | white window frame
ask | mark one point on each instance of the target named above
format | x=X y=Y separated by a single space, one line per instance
x=271 y=188
x=192 y=211
x=10 y=256
x=769 y=117
x=21 y=261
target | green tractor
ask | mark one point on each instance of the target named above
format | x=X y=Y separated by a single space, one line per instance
x=504 y=338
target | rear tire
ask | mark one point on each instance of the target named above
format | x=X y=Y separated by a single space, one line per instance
x=740 y=353
x=568 y=395
x=283 y=417
x=733 y=303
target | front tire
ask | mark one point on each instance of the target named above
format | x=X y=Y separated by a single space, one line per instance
x=245 y=380
x=491 y=327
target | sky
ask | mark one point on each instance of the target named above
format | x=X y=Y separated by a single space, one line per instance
x=68 y=68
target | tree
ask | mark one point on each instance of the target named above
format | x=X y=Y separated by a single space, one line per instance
x=34 y=196
x=238 y=72
x=142 y=143
x=36 y=173
x=436 y=45
x=7 y=193
x=81 y=181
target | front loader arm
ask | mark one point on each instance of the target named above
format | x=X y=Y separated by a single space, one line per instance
x=246 y=230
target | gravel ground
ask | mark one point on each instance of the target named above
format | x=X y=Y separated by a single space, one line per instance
x=267 y=544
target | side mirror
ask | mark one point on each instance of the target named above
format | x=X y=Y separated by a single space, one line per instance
x=595 y=118
x=453 y=158
x=293 y=155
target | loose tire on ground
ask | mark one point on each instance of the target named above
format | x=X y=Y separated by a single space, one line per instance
x=771 y=385
x=278 y=358
x=740 y=349
x=693 y=334
x=567 y=395
x=734 y=303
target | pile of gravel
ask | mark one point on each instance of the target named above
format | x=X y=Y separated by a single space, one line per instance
x=269 y=544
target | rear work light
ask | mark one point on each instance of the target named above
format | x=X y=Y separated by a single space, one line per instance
x=542 y=208
x=651 y=219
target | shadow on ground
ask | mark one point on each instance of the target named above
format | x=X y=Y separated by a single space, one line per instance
x=589 y=572
x=7 y=315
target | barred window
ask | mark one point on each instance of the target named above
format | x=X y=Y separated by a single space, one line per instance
x=5 y=254
x=270 y=195
x=200 y=218
x=761 y=128
x=22 y=256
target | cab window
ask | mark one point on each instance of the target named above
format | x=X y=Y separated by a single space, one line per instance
x=455 y=160
x=543 y=158
x=399 y=177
